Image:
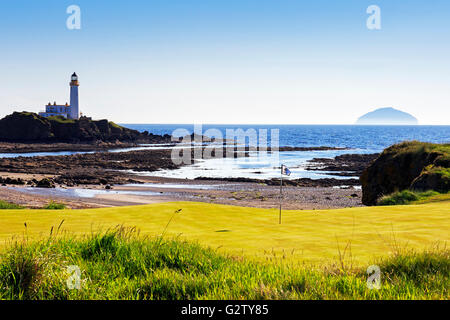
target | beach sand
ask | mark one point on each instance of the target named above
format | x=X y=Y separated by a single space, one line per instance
x=157 y=189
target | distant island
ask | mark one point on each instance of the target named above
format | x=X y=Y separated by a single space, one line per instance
x=387 y=116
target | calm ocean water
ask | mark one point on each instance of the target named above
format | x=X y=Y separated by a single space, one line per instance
x=368 y=138
x=361 y=139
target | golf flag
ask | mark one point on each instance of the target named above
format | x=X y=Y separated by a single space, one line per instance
x=285 y=170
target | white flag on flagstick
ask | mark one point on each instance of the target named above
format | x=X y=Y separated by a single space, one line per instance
x=285 y=170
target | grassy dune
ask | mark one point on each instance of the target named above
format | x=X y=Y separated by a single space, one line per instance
x=354 y=235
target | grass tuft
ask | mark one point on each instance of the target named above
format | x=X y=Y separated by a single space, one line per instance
x=20 y=272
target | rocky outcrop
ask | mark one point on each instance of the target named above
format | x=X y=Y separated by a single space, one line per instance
x=349 y=165
x=437 y=179
x=408 y=165
x=30 y=127
x=8 y=180
x=25 y=126
x=45 y=183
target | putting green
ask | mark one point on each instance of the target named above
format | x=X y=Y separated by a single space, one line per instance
x=309 y=235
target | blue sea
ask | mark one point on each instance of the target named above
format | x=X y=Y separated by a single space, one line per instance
x=360 y=139
x=369 y=138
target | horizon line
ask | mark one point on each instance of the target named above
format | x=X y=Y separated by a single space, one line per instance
x=288 y=124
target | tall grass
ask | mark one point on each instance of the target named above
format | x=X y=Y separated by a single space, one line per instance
x=121 y=264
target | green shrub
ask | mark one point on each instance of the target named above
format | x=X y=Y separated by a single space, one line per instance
x=405 y=197
x=54 y=206
x=112 y=124
x=8 y=205
x=443 y=172
x=61 y=119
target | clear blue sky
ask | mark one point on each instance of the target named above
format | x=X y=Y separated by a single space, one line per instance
x=233 y=61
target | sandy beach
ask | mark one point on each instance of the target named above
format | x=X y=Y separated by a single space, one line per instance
x=157 y=189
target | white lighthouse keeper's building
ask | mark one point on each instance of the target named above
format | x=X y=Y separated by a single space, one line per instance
x=67 y=111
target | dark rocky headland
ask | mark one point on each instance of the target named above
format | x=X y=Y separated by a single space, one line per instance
x=28 y=127
x=413 y=165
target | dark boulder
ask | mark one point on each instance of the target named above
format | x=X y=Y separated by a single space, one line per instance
x=45 y=183
x=8 y=180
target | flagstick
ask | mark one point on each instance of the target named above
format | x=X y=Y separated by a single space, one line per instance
x=281 y=190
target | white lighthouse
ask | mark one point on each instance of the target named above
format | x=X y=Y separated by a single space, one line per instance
x=65 y=110
x=74 y=110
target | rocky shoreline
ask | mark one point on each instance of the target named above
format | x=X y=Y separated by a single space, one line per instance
x=348 y=165
x=114 y=170
x=130 y=171
x=9 y=147
x=303 y=182
x=100 y=168
x=109 y=168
